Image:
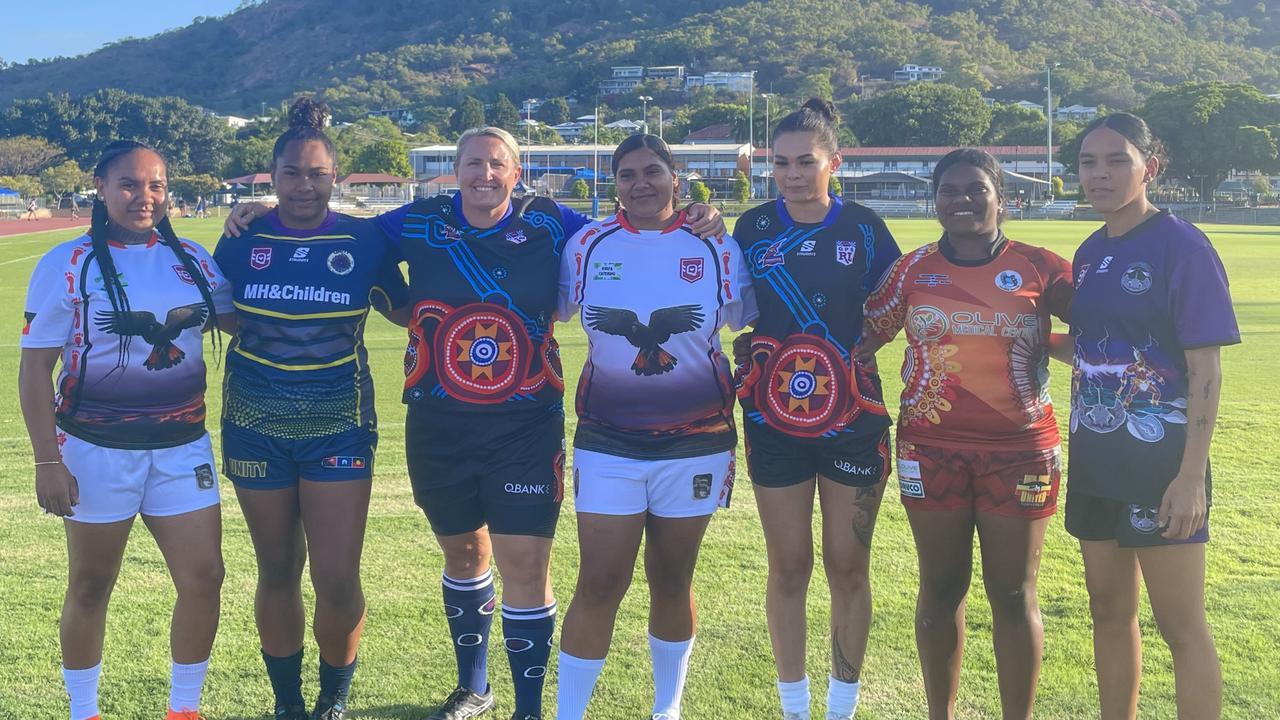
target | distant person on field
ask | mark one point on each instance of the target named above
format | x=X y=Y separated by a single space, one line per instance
x=1151 y=312
x=124 y=309
x=201 y=207
x=31 y=209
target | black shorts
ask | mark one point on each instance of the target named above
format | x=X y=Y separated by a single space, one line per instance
x=775 y=459
x=1090 y=517
x=505 y=470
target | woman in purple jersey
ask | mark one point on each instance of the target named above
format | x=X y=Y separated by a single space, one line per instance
x=1150 y=314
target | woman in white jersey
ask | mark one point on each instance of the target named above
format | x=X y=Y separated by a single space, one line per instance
x=123 y=308
x=655 y=442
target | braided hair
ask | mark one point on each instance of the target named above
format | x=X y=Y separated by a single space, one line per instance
x=307 y=120
x=99 y=229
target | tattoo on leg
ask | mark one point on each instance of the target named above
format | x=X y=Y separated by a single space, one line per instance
x=862 y=492
x=1207 y=388
x=864 y=521
x=842 y=669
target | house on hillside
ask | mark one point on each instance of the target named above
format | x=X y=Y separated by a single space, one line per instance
x=625 y=78
x=1078 y=113
x=710 y=135
x=911 y=73
x=738 y=82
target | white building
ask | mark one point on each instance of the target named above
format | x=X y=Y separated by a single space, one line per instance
x=625 y=79
x=738 y=82
x=671 y=76
x=1081 y=113
x=1028 y=105
x=234 y=122
x=917 y=73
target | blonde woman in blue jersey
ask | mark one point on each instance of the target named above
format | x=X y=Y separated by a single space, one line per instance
x=654 y=450
x=299 y=430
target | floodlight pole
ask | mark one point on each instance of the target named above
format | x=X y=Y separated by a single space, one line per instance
x=644 y=112
x=768 y=152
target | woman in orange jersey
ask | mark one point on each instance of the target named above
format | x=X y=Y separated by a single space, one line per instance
x=978 y=446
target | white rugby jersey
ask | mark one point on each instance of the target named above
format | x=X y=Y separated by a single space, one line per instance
x=652 y=302
x=132 y=379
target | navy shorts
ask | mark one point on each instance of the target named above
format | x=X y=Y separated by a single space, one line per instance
x=504 y=470
x=776 y=460
x=258 y=462
x=1090 y=517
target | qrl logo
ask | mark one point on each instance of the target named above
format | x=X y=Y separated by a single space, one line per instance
x=260 y=258
x=691 y=269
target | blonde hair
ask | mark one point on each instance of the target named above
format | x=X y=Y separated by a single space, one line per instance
x=505 y=137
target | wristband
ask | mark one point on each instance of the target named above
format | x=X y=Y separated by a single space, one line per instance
x=48 y=462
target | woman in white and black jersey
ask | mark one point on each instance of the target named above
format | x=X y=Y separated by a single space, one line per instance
x=123 y=309
x=654 y=449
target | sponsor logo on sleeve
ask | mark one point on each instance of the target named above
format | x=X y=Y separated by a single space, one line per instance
x=691 y=269
x=260 y=258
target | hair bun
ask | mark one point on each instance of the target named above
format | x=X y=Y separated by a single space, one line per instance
x=825 y=108
x=306 y=112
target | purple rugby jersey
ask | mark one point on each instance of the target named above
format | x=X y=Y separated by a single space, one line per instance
x=1141 y=300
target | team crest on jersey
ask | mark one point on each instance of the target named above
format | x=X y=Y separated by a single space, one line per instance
x=260 y=258
x=691 y=269
x=1009 y=280
x=1137 y=278
x=341 y=262
x=845 y=250
x=183 y=275
x=805 y=387
x=516 y=237
x=484 y=353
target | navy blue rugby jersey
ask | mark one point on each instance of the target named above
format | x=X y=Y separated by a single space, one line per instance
x=297 y=368
x=480 y=333
x=811 y=281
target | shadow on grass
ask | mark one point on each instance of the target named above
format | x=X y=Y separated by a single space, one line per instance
x=382 y=712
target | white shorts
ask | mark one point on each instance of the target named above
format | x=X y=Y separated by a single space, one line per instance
x=685 y=487
x=118 y=484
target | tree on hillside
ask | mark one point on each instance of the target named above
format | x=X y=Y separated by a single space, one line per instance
x=922 y=114
x=63 y=179
x=505 y=115
x=26 y=155
x=1212 y=128
x=470 y=114
x=553 y=112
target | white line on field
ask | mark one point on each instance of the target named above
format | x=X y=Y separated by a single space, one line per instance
x=21 y=259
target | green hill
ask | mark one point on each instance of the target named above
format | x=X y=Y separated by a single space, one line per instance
x=422 y=56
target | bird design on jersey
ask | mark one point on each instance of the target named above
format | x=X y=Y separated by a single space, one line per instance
x=140 y=323
x=663 y=323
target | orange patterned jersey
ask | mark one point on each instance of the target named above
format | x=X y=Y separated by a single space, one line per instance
x=976 y=367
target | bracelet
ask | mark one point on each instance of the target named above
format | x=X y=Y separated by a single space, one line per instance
x=48 y=462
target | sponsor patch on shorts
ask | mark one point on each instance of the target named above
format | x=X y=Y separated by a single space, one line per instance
x=909 y=469
x=204 y=476
x=344 y=462
x=702 y=486
x=910 y=487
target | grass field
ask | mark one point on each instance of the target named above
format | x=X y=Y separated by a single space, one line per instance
x=406 y=658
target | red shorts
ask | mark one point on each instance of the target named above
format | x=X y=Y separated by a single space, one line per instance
x=1015 y=483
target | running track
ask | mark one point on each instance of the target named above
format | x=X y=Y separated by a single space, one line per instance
x=17 y=227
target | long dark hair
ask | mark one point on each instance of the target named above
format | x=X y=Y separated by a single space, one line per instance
x=99 y=229
x=307 y=121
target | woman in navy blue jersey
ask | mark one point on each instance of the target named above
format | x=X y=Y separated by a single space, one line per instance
x=484 y=389
x=813 y=417
x=298 y=429
x=1151 y=312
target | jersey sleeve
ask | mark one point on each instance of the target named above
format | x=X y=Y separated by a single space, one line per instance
x=572 y=220
x=49 y=311
x=391 y=223
x=567 y=301
x=1058 y=285
x=1200 y=301
x=389 y=289
x=884 y=251
x=886 y=308
x=219 y=283
x=741 y=310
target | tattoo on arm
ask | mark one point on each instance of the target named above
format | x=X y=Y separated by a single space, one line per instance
x=841 y=668
x=1202 y=422
x=1207 y=388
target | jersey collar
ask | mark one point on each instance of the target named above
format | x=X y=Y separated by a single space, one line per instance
x=949 y=251
x=457 y=210
x=832 y=214
x=278 y=228
x=678 y=221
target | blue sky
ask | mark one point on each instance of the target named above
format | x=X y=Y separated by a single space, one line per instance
x=36 y=29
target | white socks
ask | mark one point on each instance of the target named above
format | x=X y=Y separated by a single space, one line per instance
x=577 y=681
x=82 y=687
x=185 y=684
x=842 y=699
x=795 y=697
x=670 y=668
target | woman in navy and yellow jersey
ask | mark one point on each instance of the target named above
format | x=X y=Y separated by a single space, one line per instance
x=298 y=427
